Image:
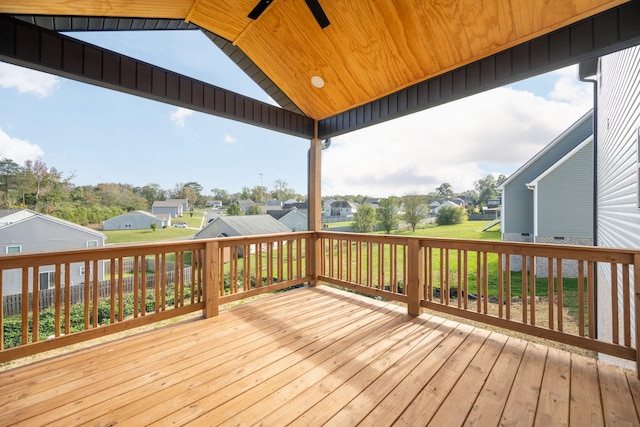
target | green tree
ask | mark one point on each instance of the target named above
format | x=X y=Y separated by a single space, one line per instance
x=10 y=173
x=445 y=191
x=364 y=219
x=254 y=210
x=387 y=214
x=415 y=210
x=234 y=209
x=152 y=192
x=220 y=194
x=449 y=215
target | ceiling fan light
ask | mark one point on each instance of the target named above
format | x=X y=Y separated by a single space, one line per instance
x=317 y=81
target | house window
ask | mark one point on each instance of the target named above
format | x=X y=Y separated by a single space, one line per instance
x=92 y=243
x=47 y=280
x=128 y=225
x=82 y=270
x=14 y=249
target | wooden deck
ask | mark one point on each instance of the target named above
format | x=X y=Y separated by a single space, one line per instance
x=319 y=357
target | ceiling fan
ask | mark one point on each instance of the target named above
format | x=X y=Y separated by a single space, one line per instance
x=313 y=5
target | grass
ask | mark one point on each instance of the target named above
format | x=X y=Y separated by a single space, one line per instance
x=145 y=236
x=470 y=230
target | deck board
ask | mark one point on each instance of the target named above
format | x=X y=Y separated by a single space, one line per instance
x=318 y=356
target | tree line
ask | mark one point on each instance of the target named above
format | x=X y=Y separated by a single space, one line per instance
x=44 y=189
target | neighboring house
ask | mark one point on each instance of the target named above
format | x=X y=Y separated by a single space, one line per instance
x=518 y=210
x=136 y=220
x=435 y=206
x=215 y=204
x=294 y=219
x=618 y=170
x=273 y=204
x=343 y=208
x=28 y=231
x=244 y=225
x=174 y=207
x=373 y=202
x=326 y=207
x=245 y=204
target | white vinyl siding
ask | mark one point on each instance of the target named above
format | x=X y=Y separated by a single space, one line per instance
x=617 y=168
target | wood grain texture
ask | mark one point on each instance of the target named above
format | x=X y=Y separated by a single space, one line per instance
x=318 y=356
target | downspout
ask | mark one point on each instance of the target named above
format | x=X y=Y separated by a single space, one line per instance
x=588 y=72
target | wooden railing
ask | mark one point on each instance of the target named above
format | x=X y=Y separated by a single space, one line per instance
x=548 y=291
x=517 y=286
x=127 y=286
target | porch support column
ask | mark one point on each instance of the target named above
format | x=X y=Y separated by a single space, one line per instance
x=315 y=205
x=636 y=303
x=211 y=285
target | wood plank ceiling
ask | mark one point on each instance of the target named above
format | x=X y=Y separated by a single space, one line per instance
x=370 y=49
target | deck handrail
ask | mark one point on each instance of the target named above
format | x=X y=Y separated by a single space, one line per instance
x=126 y=286
x=461 y=277
x=483 y=281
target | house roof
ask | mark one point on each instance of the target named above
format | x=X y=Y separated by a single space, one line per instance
x=546 y=150
x=377 y=60
x=169 y=203
x=27 y=215
x=246 y=225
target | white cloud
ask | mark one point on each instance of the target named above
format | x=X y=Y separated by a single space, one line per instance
x=18 y=150
x=179 y=115
x=230 y=139
x=27 y=80
x=458 y=143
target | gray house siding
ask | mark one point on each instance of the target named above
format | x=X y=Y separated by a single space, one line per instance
x=618 y=219
x=565 y=198
x=517 y=199
x=40 y=233
x=131 y=221
x=295 y=221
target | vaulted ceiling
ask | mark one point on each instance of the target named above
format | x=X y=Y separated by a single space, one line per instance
x=373 y=50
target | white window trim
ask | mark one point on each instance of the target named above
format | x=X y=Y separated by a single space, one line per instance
x=13 y=246
x=89 y=242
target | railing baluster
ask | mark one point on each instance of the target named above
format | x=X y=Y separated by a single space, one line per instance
x=500 y=284
x=58 y=297
x=120 y=282
x=591 y=296
x=465 y=275
x=25 y=304
x=626 y=315
x=95 y=288
x=614 y=303
x=2 y=310
x=35 y=309
x=67 y=298
x=560 y=295
x=550 y=292
x=524 y=289
x=532 y=290
x=479 y=282
x=507 y=269
x=444 y=288
x=485 y=280
x=581 y=326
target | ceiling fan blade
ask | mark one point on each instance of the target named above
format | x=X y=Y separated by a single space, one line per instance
x=318 y=13
x=260 y=7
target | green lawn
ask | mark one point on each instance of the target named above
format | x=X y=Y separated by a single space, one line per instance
x=145 y=236
x=466 y=230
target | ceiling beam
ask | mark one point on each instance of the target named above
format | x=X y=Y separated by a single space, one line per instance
x=34 y=47
x=610 y=31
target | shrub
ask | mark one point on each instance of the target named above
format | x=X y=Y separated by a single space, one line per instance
x=449 y=215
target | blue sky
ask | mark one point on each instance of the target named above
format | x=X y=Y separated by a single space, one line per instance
x=106 y=136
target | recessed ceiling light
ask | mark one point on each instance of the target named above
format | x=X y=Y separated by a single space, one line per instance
x=317 y=81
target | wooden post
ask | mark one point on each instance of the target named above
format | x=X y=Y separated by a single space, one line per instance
x=414 y=274
x=315 y=206
x=636 y=304
x=211 y=278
